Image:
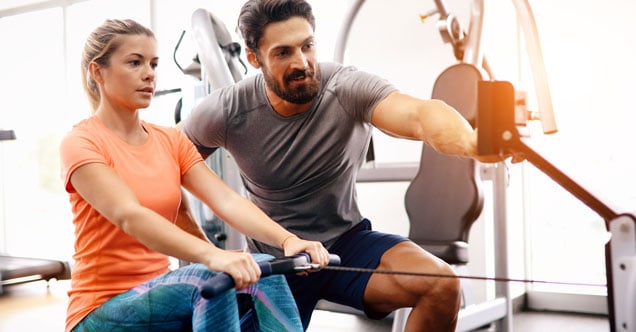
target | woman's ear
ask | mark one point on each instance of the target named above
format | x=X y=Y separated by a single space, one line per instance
x=95 y=71
x=252 y=58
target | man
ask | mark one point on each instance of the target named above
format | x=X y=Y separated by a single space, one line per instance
x=299 y=132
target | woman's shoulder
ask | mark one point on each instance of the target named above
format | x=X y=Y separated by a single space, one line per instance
x=159 y=128
x=85 y=129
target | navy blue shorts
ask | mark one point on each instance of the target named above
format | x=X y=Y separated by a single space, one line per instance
x=359 y=247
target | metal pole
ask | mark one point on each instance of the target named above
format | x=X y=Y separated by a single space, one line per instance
x=343 y=35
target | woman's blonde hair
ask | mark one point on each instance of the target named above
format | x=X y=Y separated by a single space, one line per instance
x=100 y=46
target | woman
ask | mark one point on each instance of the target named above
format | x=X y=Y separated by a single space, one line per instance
x=124 y=177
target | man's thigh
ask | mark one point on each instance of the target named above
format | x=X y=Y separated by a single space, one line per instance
x=361 y=247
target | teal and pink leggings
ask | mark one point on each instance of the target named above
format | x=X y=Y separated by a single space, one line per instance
x=171 y=302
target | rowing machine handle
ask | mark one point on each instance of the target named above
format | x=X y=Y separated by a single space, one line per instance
x=223 y=281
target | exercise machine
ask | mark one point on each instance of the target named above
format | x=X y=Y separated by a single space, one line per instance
x=497 y=109
x=216 y=64
x=17 y=270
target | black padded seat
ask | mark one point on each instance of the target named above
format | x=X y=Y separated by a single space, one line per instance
x=16 y=270
x=446 y=197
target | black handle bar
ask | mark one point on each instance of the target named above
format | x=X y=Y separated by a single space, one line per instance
x=292 y=264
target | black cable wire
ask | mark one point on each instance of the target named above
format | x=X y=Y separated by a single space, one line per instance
x=436 y=275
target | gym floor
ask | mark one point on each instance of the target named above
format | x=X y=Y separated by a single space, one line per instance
x=324 y=321
x=37 y=306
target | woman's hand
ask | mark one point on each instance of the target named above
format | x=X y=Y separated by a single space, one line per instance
x=241 y=266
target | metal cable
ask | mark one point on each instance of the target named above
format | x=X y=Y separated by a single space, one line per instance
x=437 y=275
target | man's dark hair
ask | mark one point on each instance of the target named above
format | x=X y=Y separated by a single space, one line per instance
x=257 y=14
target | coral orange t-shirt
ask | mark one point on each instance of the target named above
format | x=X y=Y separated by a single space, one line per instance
x=107 y=261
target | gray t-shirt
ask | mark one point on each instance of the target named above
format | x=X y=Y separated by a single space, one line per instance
x=301 y=170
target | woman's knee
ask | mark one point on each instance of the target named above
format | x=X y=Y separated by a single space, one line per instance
x=270 y=284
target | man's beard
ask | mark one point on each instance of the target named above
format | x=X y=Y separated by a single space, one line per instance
x=302 y=94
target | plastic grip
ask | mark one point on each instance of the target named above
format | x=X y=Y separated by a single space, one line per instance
x=334 y=260
x=223 y=281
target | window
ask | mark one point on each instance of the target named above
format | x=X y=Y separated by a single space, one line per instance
x=42 y=98
x=35 y=209
x=589 y=71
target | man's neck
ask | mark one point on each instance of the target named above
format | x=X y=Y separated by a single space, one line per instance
x=285 y=108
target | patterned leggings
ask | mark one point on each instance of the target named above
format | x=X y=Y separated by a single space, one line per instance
x=171 y=302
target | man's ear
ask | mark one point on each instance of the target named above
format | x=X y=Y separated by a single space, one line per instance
x=95 y=71
x=252 y=58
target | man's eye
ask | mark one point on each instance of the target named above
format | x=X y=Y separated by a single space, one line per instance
x=282 y=53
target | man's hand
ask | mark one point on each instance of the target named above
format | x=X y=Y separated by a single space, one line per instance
x=294 y=245
x=516 y=157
